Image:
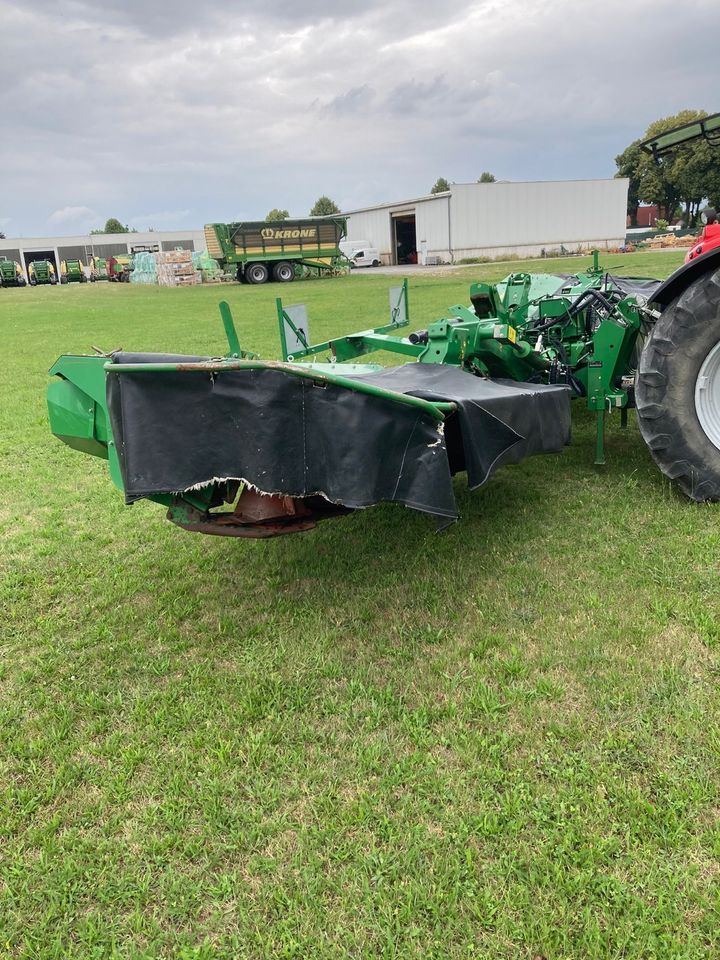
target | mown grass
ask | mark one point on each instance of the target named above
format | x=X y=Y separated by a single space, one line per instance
x=367 y=741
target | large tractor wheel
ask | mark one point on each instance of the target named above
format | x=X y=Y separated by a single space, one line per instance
x=283 y=272
x=678 y=390
x=256 y=273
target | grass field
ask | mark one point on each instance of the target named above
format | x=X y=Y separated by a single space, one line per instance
x=371 y=740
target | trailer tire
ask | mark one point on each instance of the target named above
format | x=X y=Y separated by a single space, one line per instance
x=256 y=273
x=283 y=272
x=676 y=409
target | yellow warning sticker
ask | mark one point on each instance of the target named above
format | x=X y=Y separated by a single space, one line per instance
x=512 y=334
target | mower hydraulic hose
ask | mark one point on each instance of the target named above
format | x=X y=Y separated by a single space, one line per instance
x=437 y=410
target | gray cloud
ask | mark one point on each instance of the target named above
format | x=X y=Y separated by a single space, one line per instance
x=241 y=107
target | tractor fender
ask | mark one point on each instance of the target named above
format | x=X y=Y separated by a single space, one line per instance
x=679 y=281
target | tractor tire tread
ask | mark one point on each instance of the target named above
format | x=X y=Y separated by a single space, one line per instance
x=665 y=389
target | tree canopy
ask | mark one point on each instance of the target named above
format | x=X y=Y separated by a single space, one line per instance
x=324 y=206
x=277 y=214
x=487 y=177
x=687 y=175
x=113 y=225
x=440 y=186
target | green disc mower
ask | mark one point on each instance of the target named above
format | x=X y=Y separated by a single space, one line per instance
x=240 y=446
x=11 y=274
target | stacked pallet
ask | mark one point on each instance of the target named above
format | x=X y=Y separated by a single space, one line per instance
x=175 y=269
x=665 y=240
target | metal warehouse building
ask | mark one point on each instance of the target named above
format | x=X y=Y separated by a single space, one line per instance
x=57 y=249
x=495 y=219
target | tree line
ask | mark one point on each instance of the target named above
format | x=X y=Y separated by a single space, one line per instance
x=680 y=182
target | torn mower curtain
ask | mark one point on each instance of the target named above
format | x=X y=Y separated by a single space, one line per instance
x=286 y=435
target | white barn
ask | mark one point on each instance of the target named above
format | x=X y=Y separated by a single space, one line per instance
x=494 y=220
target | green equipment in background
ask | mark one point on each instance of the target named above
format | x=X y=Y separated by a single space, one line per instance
x=72 y=271
x=120 y=267
x=279 y=250
x=41 y=272
x=11 y=274
x=98 y=269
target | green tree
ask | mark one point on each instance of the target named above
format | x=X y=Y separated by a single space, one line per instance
x=113 y=225
x=324 y=207
x=685 y=175
x=487 y=177
x=441 y=186
x=277 y=214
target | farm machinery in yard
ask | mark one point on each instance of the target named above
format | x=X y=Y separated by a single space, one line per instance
x=279 y=250
x=72 y=271
x=98 y=269
x=41 y=272
x=11 y=274
x=240 y=446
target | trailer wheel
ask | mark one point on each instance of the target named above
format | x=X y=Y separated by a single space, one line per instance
x=256 y=273
x=283 y=272
x=678 y=390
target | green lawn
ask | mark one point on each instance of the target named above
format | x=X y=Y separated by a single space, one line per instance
x=370 y=740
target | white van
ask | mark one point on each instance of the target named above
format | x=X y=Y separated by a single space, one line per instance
x=367 y=257
x=360 y=253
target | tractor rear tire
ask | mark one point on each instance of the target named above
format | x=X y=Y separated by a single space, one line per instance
x=283 y=272
x=257 y=273
x=677 y=390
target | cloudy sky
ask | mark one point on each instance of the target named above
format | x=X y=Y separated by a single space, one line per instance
x=170 y=114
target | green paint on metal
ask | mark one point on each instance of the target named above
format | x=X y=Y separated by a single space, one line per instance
x=230 y=331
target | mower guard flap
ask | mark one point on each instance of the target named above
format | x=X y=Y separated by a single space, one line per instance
x=180 y=430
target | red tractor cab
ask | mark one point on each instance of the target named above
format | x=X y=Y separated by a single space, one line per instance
x=709 y=239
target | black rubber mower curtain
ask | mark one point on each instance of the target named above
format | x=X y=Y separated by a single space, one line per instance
x=181 y=430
